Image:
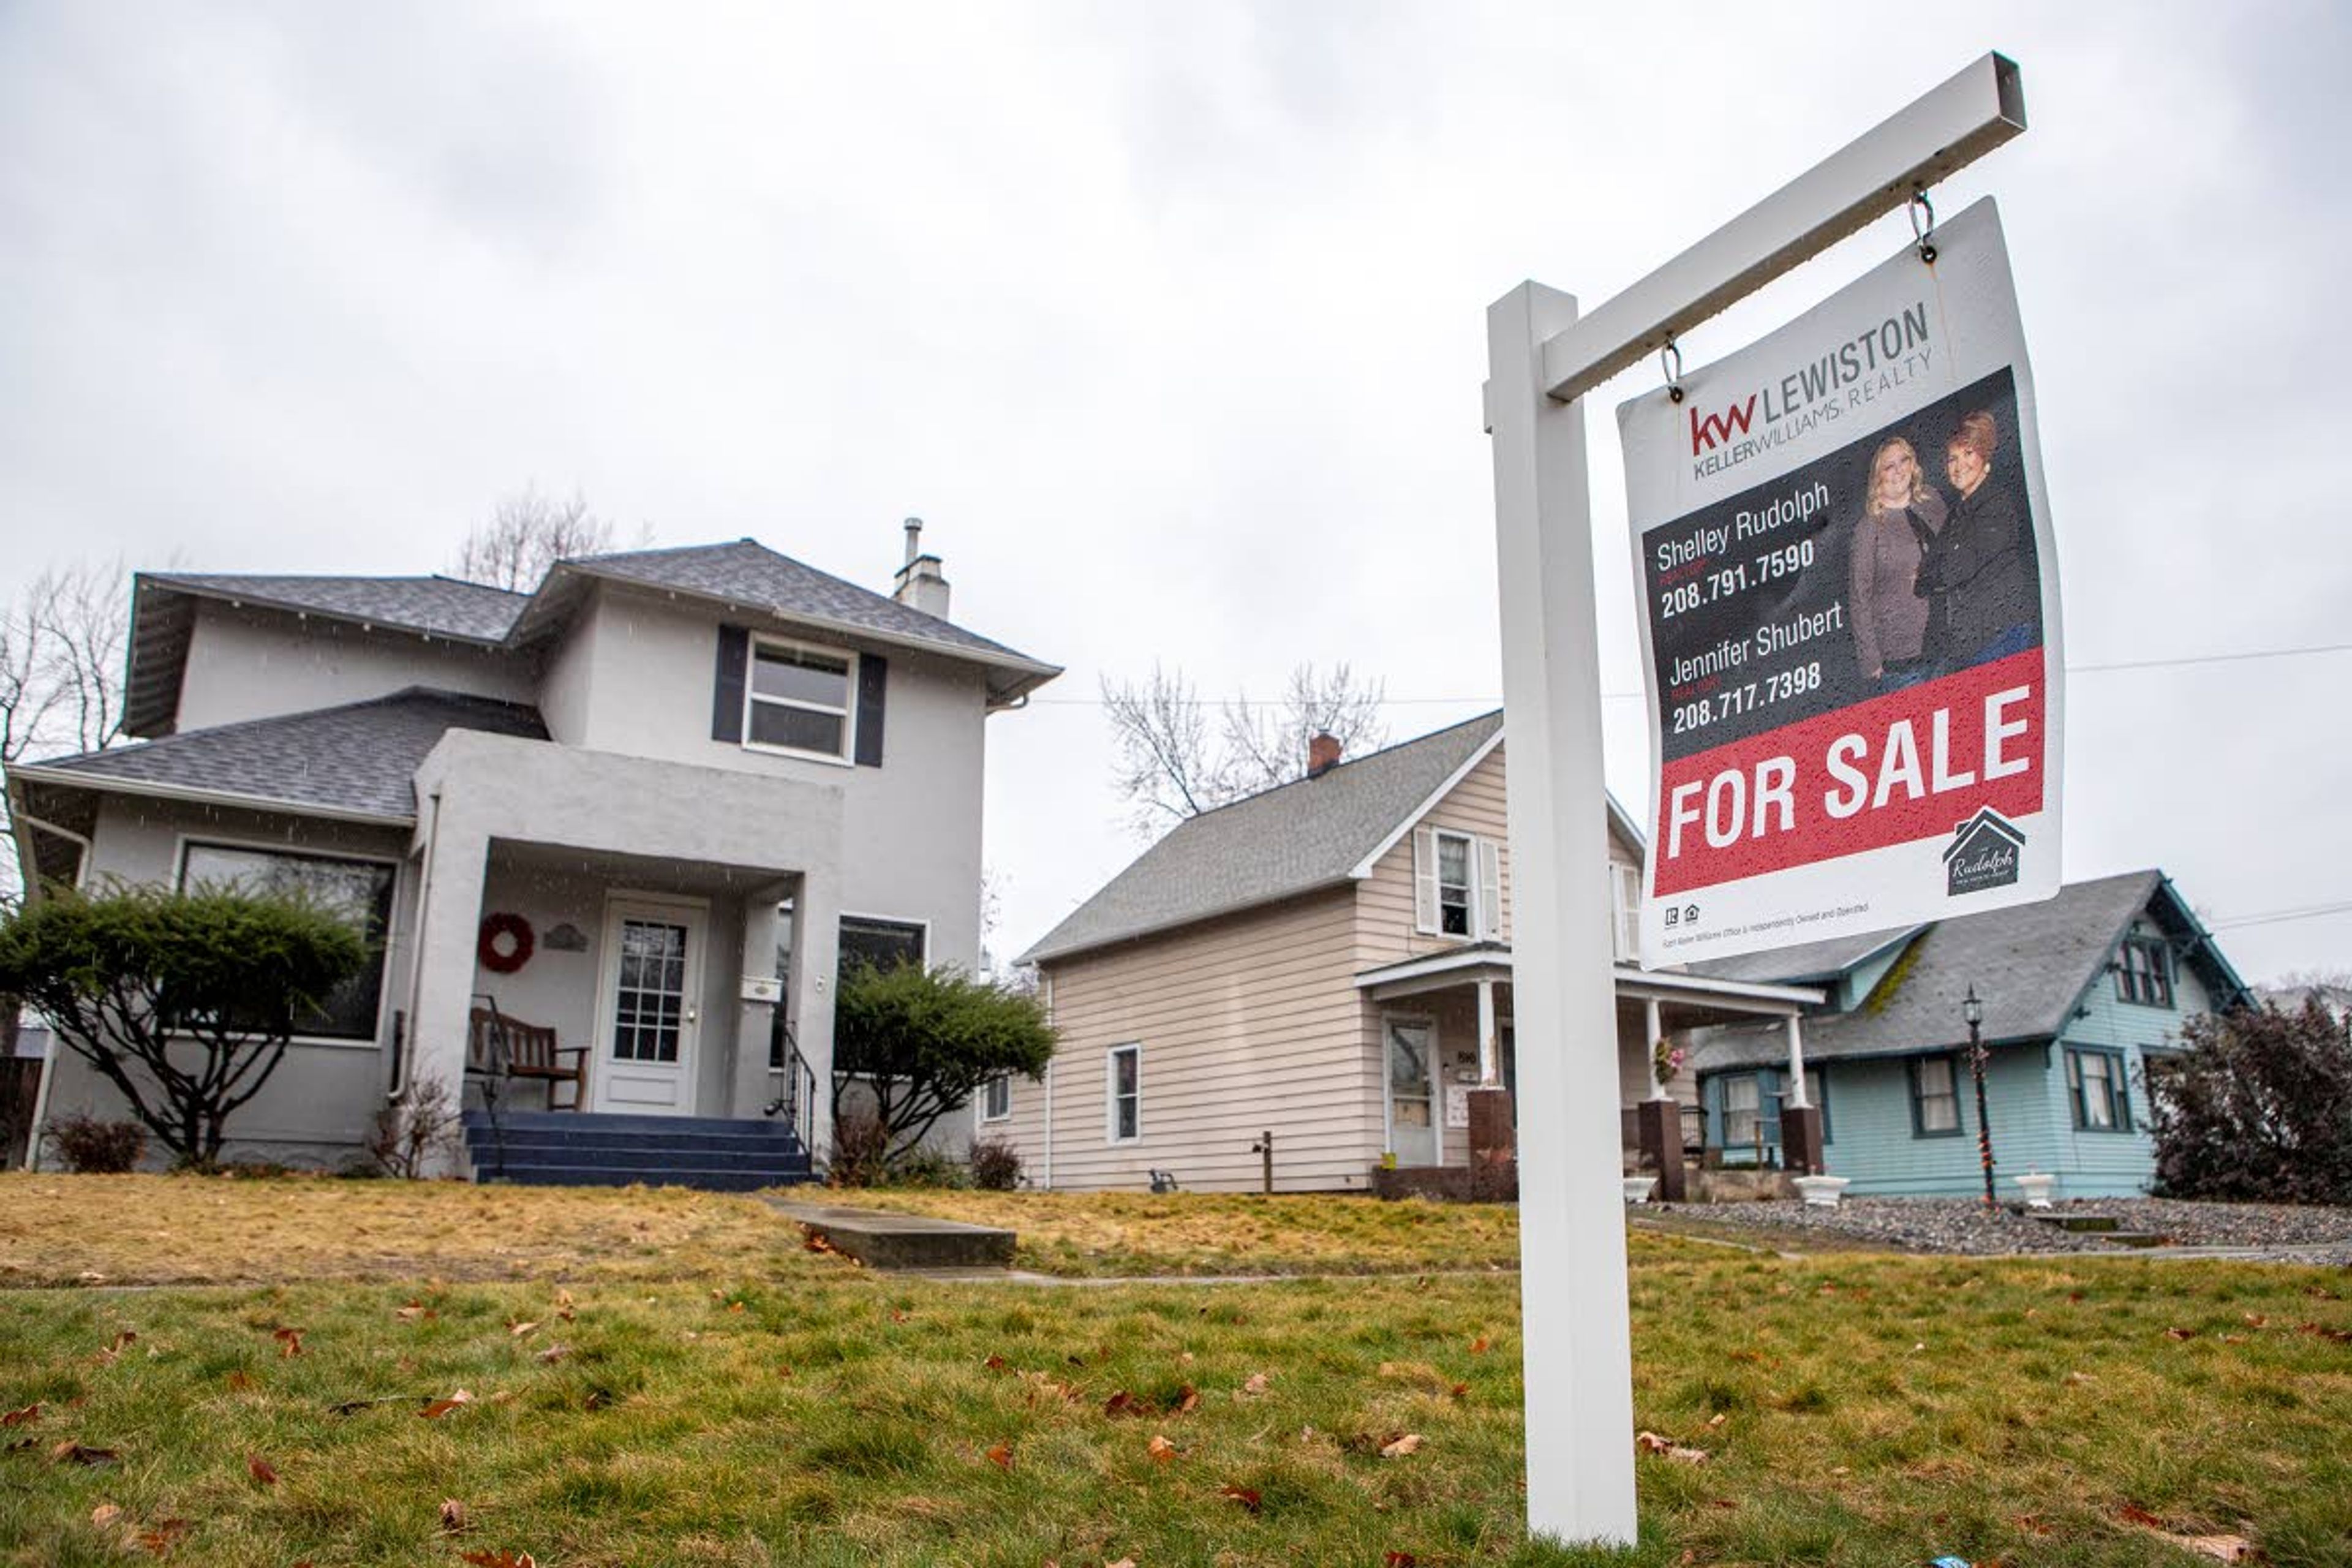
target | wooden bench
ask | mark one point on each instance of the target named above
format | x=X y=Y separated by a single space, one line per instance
x=530 y=1052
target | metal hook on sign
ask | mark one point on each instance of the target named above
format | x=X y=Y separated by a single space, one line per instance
x=1670 y=361
x=1923 y=230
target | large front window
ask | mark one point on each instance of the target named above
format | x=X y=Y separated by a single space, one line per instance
x=357 y=893
x=798 y=699
x=2096 y=1079
x=1935 y=1098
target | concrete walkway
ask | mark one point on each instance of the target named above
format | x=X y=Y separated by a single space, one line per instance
x=901 y=1242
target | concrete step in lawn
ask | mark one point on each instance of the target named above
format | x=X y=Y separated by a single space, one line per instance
x=902 y=1241
x=2105 y=1227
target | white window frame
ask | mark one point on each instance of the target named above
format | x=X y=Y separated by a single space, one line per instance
x=1625 y=906
x=1111 y=1095
x=1469 y=884
x=848 y=754
x=374 y=1040
x=1000 y=1086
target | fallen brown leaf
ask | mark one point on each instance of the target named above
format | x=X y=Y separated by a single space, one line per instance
x=159 y=1538
x=1481 y=1345
x=238 y=1382
x=1650 y=1443
x=2336 y=1336
x=261 y=1469
x=1408 y=1444
x=498 y=1559
x=2132 y=1513
x=554 y=1354
x=453 y=1516
x=1256 y=1384
x=519 y=1330
x=1124 y=1404
x=1001 y=1455
x=1245 y=1496
x=71 y=1452
x=440 y=1407
x=105 y=1515
x=290 y=1341
x=1188 y=1399
x=19 y=1418
x=1161 y=1450
x=2180 y=1333
x=1399 y=1560
x=994 y=1364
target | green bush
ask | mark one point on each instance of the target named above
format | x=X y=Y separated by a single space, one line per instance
x=183 y=1001
x=921 y=1042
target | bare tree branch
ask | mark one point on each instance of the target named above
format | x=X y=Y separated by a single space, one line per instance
x=1170 y=768
x=526 y=533
x=63 y=652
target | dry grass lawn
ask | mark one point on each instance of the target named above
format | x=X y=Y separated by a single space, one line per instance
x=1126 y=1234
x=214 y=1230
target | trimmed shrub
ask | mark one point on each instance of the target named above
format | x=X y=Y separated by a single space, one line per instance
x=2259 y=1109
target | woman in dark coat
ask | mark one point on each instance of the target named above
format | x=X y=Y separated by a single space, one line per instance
x=1976 y=574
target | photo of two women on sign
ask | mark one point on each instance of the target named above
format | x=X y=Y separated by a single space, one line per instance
x=1942 y=571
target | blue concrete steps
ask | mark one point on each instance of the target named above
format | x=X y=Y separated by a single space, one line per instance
x=565 y=1149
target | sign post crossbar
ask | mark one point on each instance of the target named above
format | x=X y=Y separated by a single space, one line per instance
x=1542 y=357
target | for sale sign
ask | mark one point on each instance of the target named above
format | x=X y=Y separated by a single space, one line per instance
x=1841 y=542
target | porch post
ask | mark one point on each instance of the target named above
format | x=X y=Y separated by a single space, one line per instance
x=457 y=860
x=1797 y=1101
x=1490 y=1056
x=1653 y=1034
x=816 y=952
x=754 y=1083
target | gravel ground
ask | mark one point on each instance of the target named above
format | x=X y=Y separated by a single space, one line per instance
x=2280 y=1232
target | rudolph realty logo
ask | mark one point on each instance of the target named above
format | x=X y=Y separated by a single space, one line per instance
x=1847 y=376
x=1984 y=853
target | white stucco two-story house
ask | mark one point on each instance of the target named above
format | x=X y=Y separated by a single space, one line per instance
x=648 y=806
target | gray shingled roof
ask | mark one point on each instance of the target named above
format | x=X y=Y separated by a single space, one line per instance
x=444 y=606
x=360 y=757
x=748 y=573
x=1807 y=962
x=744 y=573
x=1288 y=840
x=2029 y=964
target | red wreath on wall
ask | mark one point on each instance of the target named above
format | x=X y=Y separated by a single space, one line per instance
x=505 y=944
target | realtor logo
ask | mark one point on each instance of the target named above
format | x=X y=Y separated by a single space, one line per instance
x=1983 y=853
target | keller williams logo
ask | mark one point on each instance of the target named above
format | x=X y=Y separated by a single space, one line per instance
x=1984 y=853
x=1717 y=428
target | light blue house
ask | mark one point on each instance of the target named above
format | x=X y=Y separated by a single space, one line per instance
x=2079 y=994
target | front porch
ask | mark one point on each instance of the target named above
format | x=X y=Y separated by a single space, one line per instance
x=621 y=969
x=1443 y=1024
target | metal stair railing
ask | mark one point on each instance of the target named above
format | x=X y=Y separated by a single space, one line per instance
x=796 y=1085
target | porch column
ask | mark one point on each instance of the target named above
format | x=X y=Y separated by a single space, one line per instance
x=816 y=949
x=1653 y=1034
x=1800 y=1124
x=1797 y=1101
x=455 y=866
x=1490 y=1054
x=753 y=1085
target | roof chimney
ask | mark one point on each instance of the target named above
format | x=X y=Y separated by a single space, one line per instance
x=920 y=585
x=1322 y=754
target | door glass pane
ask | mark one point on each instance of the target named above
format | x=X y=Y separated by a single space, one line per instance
x=649 y=1000
x=1409 y=1075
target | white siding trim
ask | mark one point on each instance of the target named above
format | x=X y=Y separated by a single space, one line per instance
x=1363 y=868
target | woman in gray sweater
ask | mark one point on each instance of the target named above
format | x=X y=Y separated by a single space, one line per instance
x=1899 y=518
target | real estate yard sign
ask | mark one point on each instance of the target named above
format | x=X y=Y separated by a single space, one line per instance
x=1851 y=633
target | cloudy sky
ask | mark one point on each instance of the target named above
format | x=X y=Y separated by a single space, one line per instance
x=1169 y=320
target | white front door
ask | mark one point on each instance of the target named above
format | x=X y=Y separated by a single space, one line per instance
x=650 y=1012
x=1411 y=1062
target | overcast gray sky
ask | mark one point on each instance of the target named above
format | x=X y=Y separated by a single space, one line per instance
x=1169 y=320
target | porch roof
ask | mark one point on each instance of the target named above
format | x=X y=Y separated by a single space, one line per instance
x=354 y=760
x=1492 y=960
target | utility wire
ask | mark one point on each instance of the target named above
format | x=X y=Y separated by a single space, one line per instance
x=2109 y=668
x=2280 y=916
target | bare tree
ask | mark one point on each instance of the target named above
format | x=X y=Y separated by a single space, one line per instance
x=62 y=664
x=1171 y=766
x=526 y=533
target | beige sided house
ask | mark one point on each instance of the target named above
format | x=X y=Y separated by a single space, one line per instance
x=1329 y=961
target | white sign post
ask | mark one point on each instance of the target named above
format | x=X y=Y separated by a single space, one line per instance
x=1542 y=358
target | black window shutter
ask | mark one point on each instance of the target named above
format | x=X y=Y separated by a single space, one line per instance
x=727 y=684
x=873 y=678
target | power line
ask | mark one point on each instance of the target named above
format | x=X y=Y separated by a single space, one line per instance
x=2106 y=668
x=2281 y=917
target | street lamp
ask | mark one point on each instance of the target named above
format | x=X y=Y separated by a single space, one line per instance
x=1973 y=1010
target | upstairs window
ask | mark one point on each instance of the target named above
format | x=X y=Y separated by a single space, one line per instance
x=800 y=699
x=2144 y=972
x=1457 y=885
